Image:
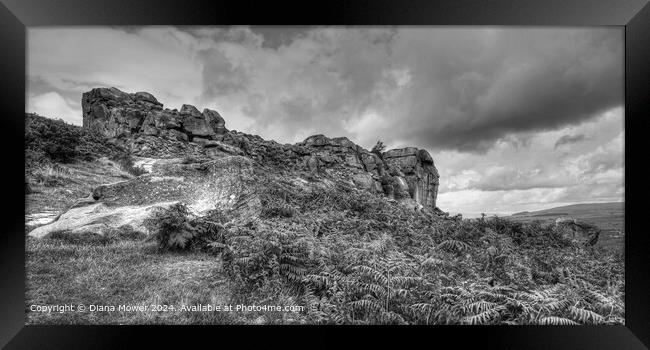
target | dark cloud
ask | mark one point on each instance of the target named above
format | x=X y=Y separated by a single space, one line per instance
x=459 y=88
x=569 y=139
x=515 y=80
x=276 y=36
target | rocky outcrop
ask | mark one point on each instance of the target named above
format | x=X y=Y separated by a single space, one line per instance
x=337 y=150
x=406 y=175
x=119 y=114
x=577 y=230
x=99 y=219
x=203 y=186
x=402 y=174
x=219 y=184
x=416 y=167
x=190 y=157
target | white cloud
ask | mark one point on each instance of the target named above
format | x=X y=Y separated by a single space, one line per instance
x=510 y=178
x=158 y=60
x=54 y=105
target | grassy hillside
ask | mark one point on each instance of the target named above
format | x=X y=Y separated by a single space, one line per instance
x=53 y=140
x=329 y=252
x=64 y=162
x=609 y=217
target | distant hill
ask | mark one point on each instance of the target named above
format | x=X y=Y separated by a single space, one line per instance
x=610 y=217
x=577 y=209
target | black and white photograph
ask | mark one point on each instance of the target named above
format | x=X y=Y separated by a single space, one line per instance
x=324 y=175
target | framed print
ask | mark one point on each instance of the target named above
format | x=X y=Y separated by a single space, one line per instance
x=453 y=171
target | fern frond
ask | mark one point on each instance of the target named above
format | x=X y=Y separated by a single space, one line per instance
x=585 y=316
x=479 y=306
x=368 y=288
x=423 y=307
x=431 y=262
x=558 y=305
x=367 y=305
x=453 y=245
x=481 y=318
x=372 y=273
x=404 y=281
x=553 y=320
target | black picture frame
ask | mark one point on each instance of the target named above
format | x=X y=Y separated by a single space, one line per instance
x=634 y=15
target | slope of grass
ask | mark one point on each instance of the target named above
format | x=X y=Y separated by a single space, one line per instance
x=52 y=140
x=124 y=272
x=318 y=245
x=64 y=162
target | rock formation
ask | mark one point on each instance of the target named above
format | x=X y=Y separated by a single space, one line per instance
x=218 y=184
x=405 y=173
x=402 y=174
x=578 y=230
x=118 y=114
x=416 y=167
x=192 y=158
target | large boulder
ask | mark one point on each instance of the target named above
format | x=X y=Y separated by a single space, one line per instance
x=159 y=123
x=335 y=151
x=203 y=186
x=365 y=181
x=147 y=100
x=577 y=230
x=419 y=173
x=191 y=110
x=195 y=123
x=196 y=126
x=405 y=173
x=116 y=113
x=219 y=184
x=98 y=219
x=403 y=158
x=215 y=121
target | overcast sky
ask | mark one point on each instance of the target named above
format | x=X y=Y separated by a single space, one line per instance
x=516 y=118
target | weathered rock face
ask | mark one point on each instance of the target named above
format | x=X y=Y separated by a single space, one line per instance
x=418 y=170
x=406 y=174
x=219 y=184
x=215 y=121
x=119 y=114
x=203 y=186
x=336 y=150
x=402 y=174
x=98 y=219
